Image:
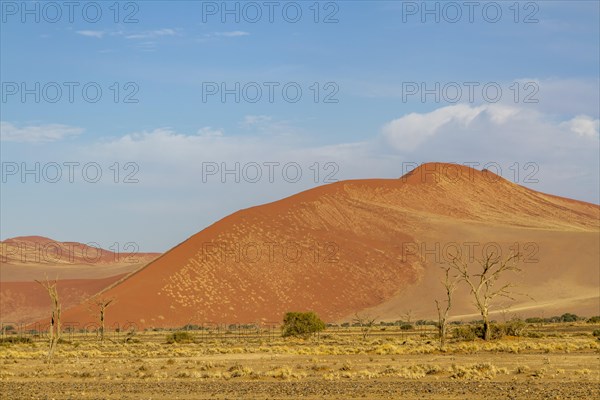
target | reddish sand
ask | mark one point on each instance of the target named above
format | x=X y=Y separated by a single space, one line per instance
x=24 y=302
x=81 y=270
x=358 y=246
x=39 y=250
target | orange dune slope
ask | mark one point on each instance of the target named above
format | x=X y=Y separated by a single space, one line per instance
x=342 y=248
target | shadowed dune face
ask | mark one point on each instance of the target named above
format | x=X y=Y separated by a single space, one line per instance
x=357 y=245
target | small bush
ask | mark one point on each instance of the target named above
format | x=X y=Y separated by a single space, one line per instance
x=568 y=317
x=594 y=320
x=301 y=324
x=238 y=370
x=469 y=332
x=464 y=332
x=406 y=327
x=496 y=331
x=180 y=337
x=596 y=332
x=514 y=327
x=522 y=369
x=15 y=339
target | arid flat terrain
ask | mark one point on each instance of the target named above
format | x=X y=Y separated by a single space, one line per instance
x=562 y=361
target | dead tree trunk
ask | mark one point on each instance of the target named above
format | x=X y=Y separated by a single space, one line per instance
x=443 y=310
x=55 y=328
x=487 y=334
x=103 y=305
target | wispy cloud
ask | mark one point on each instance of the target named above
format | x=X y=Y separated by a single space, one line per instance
x=208 y=131
x=225 y=34
x=267 y=125
x=584 y=126
x=94 y=34
x=37 y=133
x=232 y=33
x=152 y=34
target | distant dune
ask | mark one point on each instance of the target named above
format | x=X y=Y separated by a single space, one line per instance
x=25 y=302
x=39 y=250
x=371 y=246
x=82 y=270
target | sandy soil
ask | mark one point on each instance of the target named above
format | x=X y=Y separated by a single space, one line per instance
x=563 y=364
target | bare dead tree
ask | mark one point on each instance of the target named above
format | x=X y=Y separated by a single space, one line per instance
x=483 y=280
x=102 y=305
x=444 y=306
x=366 y=323
x=408 y=315
x=54 y=331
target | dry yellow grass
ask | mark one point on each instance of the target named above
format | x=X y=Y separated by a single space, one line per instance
x=330 y=360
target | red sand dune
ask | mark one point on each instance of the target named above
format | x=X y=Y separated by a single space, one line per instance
x=24 y=302
x=82 y=270
x=369 y=246
x=39 y=250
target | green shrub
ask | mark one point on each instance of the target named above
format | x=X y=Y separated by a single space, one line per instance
x=301 y=324
x=568 y=317
x=470 y=332
x=180 y=337
x=464 y=332
x=406 y=327
x=596 y=332
x=594 y=320
x=514 y=327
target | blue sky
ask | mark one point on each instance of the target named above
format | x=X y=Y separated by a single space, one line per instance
x=367 y=62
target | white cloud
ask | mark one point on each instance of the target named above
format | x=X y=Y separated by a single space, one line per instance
x=584 y=126
x=565 y=152
x=152 y=34
x=409 y=131
x=94 y=34
x=267 y=125
x=37 y=133
x=253 y=120
x=232 y=33
x=483 y=126
x=145 y=35
x=209 y=131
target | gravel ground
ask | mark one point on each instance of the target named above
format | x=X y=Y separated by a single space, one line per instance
x=293 y=390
